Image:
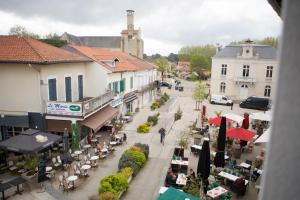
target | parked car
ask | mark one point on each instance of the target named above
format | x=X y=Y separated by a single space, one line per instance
x=259 y=103
x=220 y=99
x=180 y=88
x=164 y=84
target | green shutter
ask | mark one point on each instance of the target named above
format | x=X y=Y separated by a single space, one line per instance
x=122 y=86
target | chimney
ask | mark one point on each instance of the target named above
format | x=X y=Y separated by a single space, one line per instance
x=130 y=23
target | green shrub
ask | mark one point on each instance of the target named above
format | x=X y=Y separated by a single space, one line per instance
x=144 y=148
x=155 y=105
x=153 y=119
x=128 y=114
x=161 y=101
x=126 y=172
x=114 y=183
x=127 y=160
x=144 y=128
x=138 y=156
x=107 y=196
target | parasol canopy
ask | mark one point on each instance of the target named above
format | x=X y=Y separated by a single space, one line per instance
x=240 y=133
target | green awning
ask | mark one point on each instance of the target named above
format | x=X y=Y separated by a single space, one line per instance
x=173 y=194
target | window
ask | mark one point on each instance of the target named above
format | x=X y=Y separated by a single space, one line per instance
x=122 y=85
x=224 y=70
x=267 y=91
x=52 y=89
x=115 y=87
x=131 y=82
x=68 y=89
x=269 y=73
x=80 y=87
x=246 y=70
x=222 y=87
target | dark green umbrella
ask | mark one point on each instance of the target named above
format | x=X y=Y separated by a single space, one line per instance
x=219 y=158
x=204 y=160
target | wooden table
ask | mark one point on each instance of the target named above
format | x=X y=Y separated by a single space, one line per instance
x=216 y=192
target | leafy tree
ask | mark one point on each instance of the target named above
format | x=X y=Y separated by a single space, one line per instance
x=162 y=64
x=54 y=42
x=172 y=57
x=272 y=41
x=199 y=63
x=21 y=31
x=199 y=94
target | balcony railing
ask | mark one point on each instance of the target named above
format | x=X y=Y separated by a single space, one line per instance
x=244 y=79
x=79 y=109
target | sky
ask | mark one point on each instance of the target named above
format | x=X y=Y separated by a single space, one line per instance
x=166 y=25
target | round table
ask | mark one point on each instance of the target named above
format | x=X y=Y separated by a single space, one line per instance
x=104 y=150
x=48 y=169
x=86 y=167
x=77 y=152
x=94 y=158
x=113 y=143
x=98 y=136
x=72 y=179
x=94 y=140
x=87 y=146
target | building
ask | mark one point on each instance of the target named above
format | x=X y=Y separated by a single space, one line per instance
x=50 y=89
x=129 y=42
x=130 y=78
x=239 y=71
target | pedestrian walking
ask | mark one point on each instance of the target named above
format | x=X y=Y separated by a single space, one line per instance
x=125 y=138
x=162 y=132
x=231 y=106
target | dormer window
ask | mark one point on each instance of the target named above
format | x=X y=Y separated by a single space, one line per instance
x=115 y=62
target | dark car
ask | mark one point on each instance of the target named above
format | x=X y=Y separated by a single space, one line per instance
x=258 y=103
x=164 y=84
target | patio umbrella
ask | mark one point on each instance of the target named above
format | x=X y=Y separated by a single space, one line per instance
x=66 y=140
x=265 y=137
x=204 y=160
x=245 y=123
x=240 y=133
x=217 y=121
x=261 y=116
x=174 y=194
x=219 y=158
x=234 y=117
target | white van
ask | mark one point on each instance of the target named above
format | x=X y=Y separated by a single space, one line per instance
x=220 y=99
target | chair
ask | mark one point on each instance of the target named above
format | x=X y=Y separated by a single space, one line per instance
x=72 y=154
x=67 y=186
x=61 y=182
x=76 y=170
x=11 y=166
x=55 y=163
x=96 y=151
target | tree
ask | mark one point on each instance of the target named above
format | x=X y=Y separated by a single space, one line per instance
x=162 y=64
x=271 y=41
x=172 y=57
x=199 y=63
x=21 y=31
x=199 y=94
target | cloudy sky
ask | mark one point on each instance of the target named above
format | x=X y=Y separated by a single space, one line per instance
x=166 y=25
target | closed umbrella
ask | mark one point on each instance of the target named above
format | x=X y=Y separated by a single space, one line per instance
x=219 y=158
x=245 y=123
x=203 y=167
x=66 y=140
x=217 y=120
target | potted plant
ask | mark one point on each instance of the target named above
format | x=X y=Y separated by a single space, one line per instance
x=31 y=165
x=178 y=114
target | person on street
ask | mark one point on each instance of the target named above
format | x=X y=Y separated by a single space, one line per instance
x=162 y=132
x=125 y=138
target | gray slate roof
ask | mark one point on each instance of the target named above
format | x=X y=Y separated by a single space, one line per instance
x=95 y=41
x=231 y=51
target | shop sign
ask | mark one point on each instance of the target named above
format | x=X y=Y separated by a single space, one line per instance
x=69 y=109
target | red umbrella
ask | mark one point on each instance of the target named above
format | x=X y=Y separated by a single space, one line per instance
x=240 y=133
x=217 y=120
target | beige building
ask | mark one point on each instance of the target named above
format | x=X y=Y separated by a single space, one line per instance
x=129 y=42
x=240 y=71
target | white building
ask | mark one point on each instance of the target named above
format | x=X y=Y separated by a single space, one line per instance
x=130 y=78
x=239 y=71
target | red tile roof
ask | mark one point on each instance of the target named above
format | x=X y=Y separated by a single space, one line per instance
x=22 y=49
x=126 y=61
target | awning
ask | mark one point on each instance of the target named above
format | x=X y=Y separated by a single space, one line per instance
x=30 y=141
x=16 y=121
x=58 y=125
x=129 y=97
x=98 y=119
x=174 y=194
x=265 y=137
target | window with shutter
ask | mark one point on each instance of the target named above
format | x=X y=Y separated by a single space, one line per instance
x=68 y=89
x=52 y=89
x=80 y=87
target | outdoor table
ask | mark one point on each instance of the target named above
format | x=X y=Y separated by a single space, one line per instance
x=180 y=162
x=86 y=167
x=86 y=147
x=197 y=147
x=72 y=179
x=98 y=136
x=16 y=182
x=3 y=187
x=230 y=176
x=104 y=150
x=93 y=158
x=77 y=153
x=245 y=165
x=48 y=169
x=113 y=143
x=94 y=141
x=162 y=190
x=181 y=179
x=216 y=192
